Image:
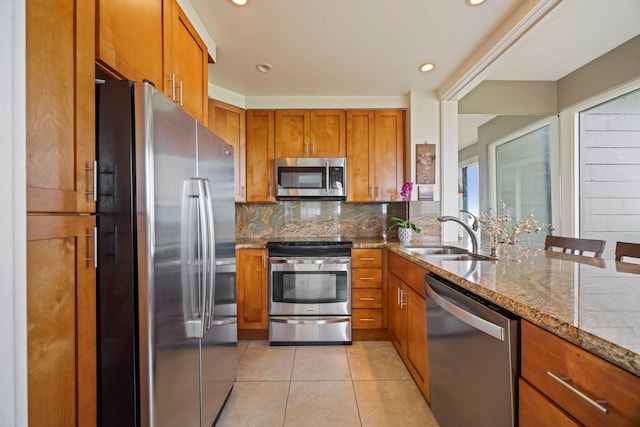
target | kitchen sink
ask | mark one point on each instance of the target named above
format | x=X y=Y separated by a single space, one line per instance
x=437 y=250
x=462 y=257
x=449 y=253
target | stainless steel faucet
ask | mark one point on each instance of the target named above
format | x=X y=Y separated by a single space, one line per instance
x=472 y=234
x=475 y=222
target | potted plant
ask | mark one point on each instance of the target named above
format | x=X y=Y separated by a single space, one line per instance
x=405 y=226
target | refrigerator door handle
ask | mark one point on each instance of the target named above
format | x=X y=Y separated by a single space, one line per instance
x=210 y=258
x=193 y=253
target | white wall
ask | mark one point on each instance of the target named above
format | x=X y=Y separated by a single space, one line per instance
x=13 y=356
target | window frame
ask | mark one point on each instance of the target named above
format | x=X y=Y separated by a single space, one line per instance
x=552 y=122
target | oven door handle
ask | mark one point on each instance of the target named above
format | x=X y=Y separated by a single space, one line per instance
x=310 y=321
x=309 y=260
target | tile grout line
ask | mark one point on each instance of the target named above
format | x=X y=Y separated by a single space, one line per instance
x=353 y=386
x=286 y=405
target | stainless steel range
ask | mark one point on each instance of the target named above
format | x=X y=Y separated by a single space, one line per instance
x=309 y=292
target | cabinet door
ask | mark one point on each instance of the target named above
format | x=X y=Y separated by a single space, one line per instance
x=60 y=105
x=186 y=63
x=252 y=289
x=129 y=38
x=416 y=346
x=389 y=154
x=292 y=133
x=260 y=154
x=395 y=313
x=61 y=320
x=360 y=155
x=228 y=122
x=327 y=138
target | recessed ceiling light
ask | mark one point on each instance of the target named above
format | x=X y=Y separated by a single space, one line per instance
x=240 y=2
x=425 y=68
x=475 y=2
x=263 y=68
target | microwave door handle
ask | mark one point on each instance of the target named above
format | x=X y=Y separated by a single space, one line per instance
x=326 y=187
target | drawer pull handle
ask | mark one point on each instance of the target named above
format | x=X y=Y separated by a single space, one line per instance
x=367 y=278
x=367 y=320
x=367 y=299
x=565 y=381
x=367 y=259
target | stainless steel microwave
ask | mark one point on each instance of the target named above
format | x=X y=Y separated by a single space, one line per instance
x=311 y=178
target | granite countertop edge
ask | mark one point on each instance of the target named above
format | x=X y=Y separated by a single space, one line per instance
x=610 y=351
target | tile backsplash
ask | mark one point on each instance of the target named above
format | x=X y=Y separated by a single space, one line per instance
x=333 y=219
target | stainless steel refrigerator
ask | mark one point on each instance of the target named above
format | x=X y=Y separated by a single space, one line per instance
x=166 y=316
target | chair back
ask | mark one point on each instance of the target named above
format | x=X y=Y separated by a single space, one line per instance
x=576 y=246
x=627 y=249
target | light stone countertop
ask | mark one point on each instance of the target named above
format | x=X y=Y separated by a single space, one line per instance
x=590 y=302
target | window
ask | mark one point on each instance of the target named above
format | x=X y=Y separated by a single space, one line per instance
x=522 y=178
x=609 y=144
x=469 y=188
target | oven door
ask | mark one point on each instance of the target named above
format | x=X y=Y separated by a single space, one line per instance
x=309 y=286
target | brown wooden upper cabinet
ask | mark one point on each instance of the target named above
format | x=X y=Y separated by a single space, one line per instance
x=310 y=133
x=154 y=40
x=60 y=106
x=375 y=155
x=129 y=39
x=229 y=123
x=260 y=154
x=185 y=63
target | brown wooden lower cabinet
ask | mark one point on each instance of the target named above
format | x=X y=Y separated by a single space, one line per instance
x=536 y=410
x=590 y=390
x=252 y=293
x=368 y=315
x=408 y=318
x=61 y=320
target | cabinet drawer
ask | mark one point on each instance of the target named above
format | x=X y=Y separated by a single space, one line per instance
x=408 y=272
x=536 y=410
x=366 y=298
x=366 y=318
x=366 y=258
x=366 y=278
x=547 y=362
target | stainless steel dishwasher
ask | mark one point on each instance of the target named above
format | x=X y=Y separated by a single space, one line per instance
x=473 y=357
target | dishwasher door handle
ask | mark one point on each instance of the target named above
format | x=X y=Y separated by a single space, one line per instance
x=469 y=318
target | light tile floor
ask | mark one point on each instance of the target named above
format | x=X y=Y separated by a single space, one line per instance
x=365 y=384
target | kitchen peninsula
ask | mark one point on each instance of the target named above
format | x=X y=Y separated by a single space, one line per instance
x=592 y=303
x=579 y=346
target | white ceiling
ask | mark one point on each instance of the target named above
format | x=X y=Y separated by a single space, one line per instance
x=374 y=47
